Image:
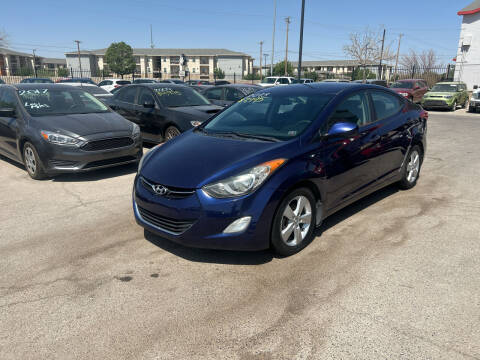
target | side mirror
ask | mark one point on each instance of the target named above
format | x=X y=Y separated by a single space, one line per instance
x=416 y=88
x=343 y=129
x=475 y=87
x=148 y=104
x=7 y=112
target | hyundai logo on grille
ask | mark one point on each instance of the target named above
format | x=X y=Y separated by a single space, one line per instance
x=160 y=189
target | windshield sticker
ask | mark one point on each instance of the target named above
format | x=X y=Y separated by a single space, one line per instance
x=33 y=92
x=292 y=133
x=255 y=98
x=167 y=92
x=36 y=105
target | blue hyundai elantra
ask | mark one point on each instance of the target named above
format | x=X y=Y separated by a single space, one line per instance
x=268 y=169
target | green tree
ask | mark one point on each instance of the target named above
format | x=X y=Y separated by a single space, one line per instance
x=279 y=69
x=361 y=73
x=119 y=57
x=219 y=73
x=251 y=77
x=311 y=75
x=62 y=72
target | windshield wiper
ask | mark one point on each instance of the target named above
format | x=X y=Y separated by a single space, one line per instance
x=247 y=136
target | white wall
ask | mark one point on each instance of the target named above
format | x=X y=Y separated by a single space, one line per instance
x=230 y=65
x=467 y=68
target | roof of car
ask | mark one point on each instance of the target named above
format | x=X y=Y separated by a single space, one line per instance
x=409 y=80
x=238 y=86
x=331 y=88
x=27 y=86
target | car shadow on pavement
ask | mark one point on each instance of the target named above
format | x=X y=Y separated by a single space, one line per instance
x=357 y=207
x=209 y=255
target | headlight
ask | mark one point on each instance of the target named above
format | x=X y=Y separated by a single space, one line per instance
x=195 y=123
x=59 y=139
x=136 y=131
x=404 y=94
x=448 y=96
x=243 y=183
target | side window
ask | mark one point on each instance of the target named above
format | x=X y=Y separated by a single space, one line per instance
x=385 y=105
x=232 y=94
x=214 y=94
x=7 y=99
x=102 y=83
x=284 y=81
x=145 y=96
x=354 y=109
x=128 y=94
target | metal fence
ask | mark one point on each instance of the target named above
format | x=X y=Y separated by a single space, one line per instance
x=431 y=75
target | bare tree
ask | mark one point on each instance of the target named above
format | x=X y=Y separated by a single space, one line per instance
x=427 y=59
x=3 y=38
x=366 y=48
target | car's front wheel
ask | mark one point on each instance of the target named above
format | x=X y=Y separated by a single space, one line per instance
x=411 y=168
x=454 y=106
x=171 y=132
x=32 y=162
x=294 y=222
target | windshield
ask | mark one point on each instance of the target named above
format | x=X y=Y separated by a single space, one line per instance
x=95 y=90
x=281 y=117
x=180 y=96
x=37 y=81
x=269 y=80
x=402 y=85
x=39 y=102
x=476 y=95
x=444 y=88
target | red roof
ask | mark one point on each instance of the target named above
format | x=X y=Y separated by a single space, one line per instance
x=473 y=8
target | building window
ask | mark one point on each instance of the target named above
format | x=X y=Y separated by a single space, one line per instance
x=175 y=60
x=193 y=70
x=165 y=70
x=204 y=60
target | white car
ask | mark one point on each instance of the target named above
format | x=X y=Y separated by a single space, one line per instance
x=474 y=103
x=98 y=92
x=276 y=81
x=110 y=84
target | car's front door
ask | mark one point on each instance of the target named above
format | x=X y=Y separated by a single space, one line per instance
x=8 y=124
x=148 y=114
x=349 y=161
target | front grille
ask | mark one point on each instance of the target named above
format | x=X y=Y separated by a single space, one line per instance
x=106 y=162
x=171 y=192
x=62 y=163
x=107 y=144
x=434 y=103
x=170 y=225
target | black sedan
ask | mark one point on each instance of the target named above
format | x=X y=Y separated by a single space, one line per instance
x=225 y=95
x=162 y=111
x=53 y=128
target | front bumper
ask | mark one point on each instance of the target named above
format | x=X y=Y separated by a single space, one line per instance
x=68 y=159
x=474 y=106
x=198 y=220
x=437 y=103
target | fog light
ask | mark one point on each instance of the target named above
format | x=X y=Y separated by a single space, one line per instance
x=238 y=225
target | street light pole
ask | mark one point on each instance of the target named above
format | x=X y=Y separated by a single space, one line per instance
x=301 y=42
x=79 y=58
x=265 y=55
x=34 y=63
x=287 y=20
x=273 y=36
x=380 y=71
x=261 y=55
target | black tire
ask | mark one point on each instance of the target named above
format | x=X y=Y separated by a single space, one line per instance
x=454 y=106
x=32 y=162
x=286 y=248
x=171 y=132
x=465 y=105
x=407 y=182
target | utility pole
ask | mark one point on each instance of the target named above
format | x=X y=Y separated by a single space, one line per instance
x=34 y=62
x=79 y=58
x=398 y=53
x=380 y=70
x=265 y=55
x=151 y=37
x=301 y=42
x=261 y=55
x=287 y=20
x=273 y=36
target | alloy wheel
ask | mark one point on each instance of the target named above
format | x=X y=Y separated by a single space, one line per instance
x=30 y=160
x=296 y=221
x=171 y=132
x=413 y=166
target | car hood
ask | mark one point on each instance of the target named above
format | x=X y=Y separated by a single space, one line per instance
x=265 y=85
x=192 y=159
x=201 y=113
x=84 y=124
x=439 y=94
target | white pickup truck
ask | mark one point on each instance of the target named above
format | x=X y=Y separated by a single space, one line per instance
x=276 y=81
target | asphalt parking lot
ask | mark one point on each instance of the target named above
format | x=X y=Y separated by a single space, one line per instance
x=394 y=276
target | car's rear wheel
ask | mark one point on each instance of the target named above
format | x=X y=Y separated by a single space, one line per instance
x=171 y=132
x=32 y=162
x=411 y=168
x=294 y=222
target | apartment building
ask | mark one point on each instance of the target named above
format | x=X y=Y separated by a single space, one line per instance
x=15 y=62
x=165 y=63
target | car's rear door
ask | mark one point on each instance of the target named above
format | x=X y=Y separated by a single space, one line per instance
x=8 y=125
x=124 y=102
x=391 y=123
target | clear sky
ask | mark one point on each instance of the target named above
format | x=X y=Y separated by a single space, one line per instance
x=51 y=26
